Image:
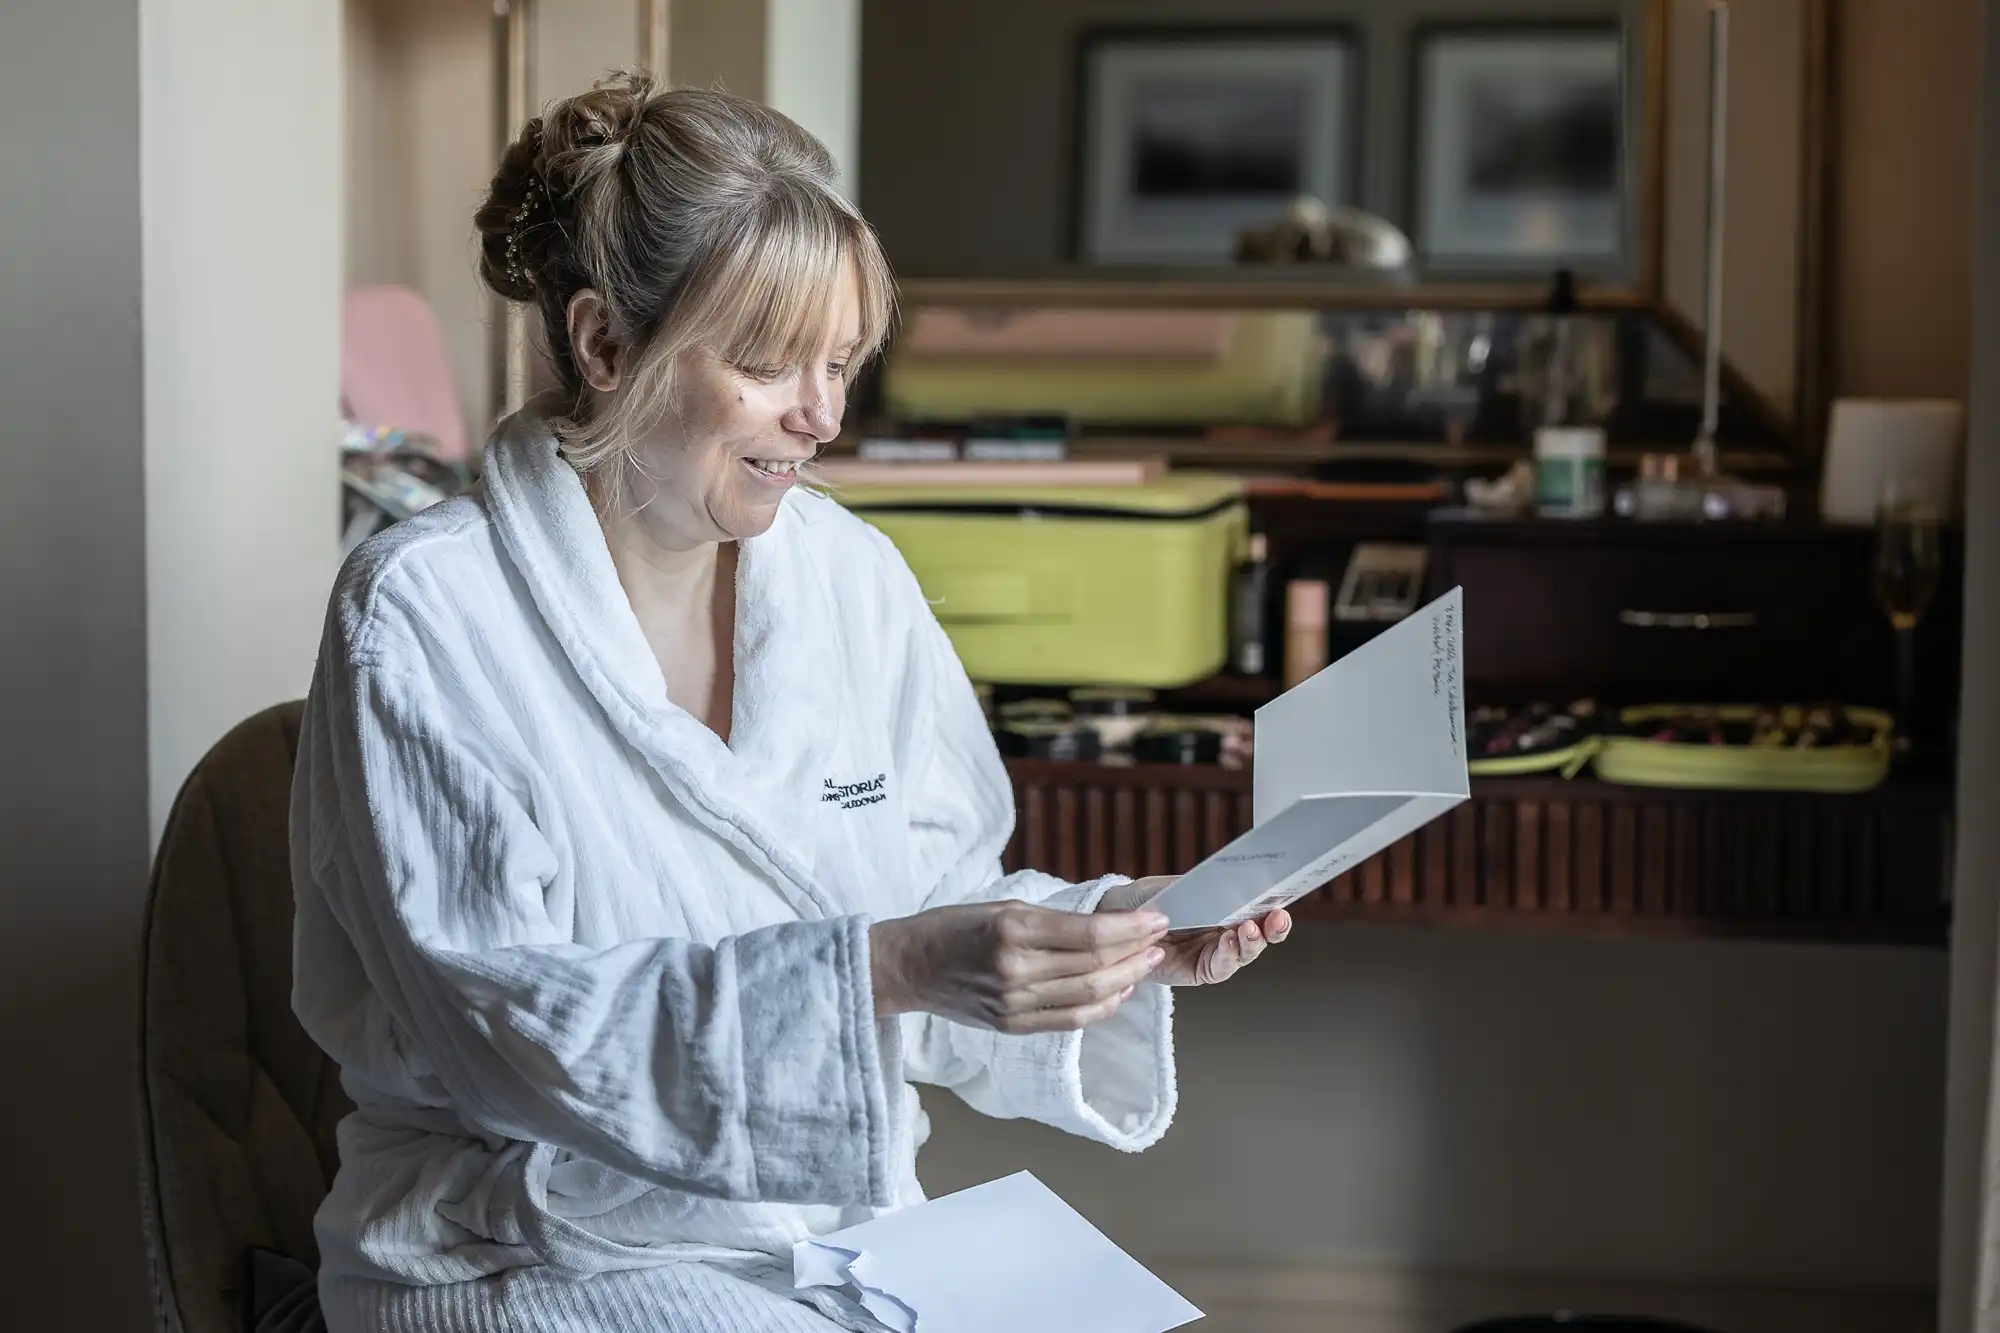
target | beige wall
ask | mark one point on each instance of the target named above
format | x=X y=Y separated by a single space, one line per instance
x=1450 y=1102
x=380 y=247
x=437 y=125
x=812 y=73
x=1899 y=214
x=800 y=56
x=719 y=44
x=577 y=41
x=242 y=333
x=1908 y=82
x=420 y=131
x=1900 y=211
x=1764 y=235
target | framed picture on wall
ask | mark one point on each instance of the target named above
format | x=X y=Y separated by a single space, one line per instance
x=1520 y=147
x=1186 y=137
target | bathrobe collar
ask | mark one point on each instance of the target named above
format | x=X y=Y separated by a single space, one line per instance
x=756 y=791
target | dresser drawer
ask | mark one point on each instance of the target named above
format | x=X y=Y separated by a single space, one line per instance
x=1667 y=614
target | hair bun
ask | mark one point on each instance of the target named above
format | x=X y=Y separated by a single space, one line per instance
x=585 y=135
x=517 y=207
x=561 y=155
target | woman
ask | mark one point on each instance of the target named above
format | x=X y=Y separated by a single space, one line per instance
x=647 y=832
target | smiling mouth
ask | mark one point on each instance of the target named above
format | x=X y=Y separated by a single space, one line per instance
x=777 y=469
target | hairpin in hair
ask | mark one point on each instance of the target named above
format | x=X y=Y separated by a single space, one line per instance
x=517 y=226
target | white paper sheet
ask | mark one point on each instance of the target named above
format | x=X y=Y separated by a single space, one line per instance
x=1362 y=754
x=1004 y=1257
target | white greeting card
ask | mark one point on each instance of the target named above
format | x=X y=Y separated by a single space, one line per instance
x=1360 y=755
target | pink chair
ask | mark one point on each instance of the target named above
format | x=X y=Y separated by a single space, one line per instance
x=396 y=371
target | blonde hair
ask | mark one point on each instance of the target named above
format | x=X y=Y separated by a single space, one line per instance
x=700 y=218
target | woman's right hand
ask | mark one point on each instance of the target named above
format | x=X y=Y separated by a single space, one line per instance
x=1013 y=967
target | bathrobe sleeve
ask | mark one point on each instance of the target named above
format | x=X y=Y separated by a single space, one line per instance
x=1113 y=1082
x=749 y=1070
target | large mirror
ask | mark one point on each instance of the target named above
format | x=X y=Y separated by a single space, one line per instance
x=1060 y=137
x=1383 y=194
x=1393 y=155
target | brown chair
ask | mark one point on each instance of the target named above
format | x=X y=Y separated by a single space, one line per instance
x=238 y=1106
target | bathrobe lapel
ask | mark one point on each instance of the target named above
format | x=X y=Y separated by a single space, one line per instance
x=756 y=791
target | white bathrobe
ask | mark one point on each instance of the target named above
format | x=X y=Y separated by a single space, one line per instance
x=598 y=982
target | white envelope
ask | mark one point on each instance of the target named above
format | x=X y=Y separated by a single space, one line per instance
x=1348 y=762
x=1004 y=1257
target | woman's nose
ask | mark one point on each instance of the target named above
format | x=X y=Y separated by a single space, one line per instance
x=817 y=413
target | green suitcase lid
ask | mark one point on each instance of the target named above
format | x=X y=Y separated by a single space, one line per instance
x=1176 y=495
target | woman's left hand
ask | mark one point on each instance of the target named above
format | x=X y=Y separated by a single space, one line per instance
x=1200 y=957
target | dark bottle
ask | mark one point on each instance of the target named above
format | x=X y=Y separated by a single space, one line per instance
x=1247 y=636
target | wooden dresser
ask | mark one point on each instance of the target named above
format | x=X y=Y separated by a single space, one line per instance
x=1644 y=613
x=1625 y=613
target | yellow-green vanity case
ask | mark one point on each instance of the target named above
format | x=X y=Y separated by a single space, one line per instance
x=1073 y=585
x=1831 y=768
x=1570 y=759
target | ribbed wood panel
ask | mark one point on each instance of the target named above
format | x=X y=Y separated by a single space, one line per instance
x=1543 y=853
x=1084 y=820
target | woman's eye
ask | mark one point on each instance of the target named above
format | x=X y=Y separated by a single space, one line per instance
x=837 y=369
x=766 y=374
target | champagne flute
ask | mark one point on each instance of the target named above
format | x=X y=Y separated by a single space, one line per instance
x=1906 y=579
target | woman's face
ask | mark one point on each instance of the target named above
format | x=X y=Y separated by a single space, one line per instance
x=717 y=469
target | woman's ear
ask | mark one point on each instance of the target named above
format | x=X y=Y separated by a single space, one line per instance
x=590 y=342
